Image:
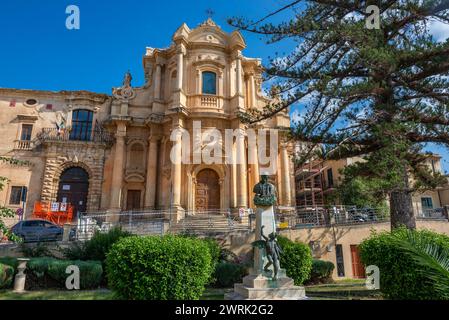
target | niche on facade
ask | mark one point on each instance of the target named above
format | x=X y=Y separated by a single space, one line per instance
x=135 y=163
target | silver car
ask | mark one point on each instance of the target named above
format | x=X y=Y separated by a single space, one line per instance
x=38 y=230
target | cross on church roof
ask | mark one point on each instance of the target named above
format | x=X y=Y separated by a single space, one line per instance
x=210 y=13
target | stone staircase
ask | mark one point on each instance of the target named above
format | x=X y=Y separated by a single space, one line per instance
x=209 y=224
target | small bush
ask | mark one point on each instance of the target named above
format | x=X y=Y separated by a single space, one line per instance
x=228 y=273
x=50 y=273
x=321 y=272
x=10 y=261
x=6 y=276
x=97 y=247
x=159 y=268
x=400 y=277
x=35 y=251
x=214 y=250
x=296 y=259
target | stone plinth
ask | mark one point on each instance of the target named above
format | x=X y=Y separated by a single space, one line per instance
x=261 y=287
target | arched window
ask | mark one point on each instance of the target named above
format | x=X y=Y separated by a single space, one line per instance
x=81 y=125
x=209 y=83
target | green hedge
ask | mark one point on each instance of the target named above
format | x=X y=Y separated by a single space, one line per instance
x=49 y=273
x=400 y=277
x=96 y=248
x=6 y=276
x=228 y=273
x=321 y=272
x=296 y=259
x=159 y=268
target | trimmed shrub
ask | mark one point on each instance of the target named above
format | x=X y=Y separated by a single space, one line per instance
x=49 y=273
x=6 y=276
x=321 y=272
x=228 y=273
x=97 y=247
x=35 y=251
x=214 y=250
x=400 y=277
x=296 y=259
x=10 y=261
x=159 y=268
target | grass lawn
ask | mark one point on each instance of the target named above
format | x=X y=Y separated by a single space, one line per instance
x=348 y=289
x=57 y=295
x=209 y=294
x=340 y=290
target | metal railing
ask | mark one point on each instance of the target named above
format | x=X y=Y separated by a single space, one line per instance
x=54 y=134
x=436 y=214
x=160 y=222
x=135 y=222
x=321 y=216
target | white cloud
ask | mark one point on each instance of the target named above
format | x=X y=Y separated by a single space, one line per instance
x=439 y=30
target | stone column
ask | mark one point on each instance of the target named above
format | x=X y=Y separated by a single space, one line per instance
x=242 y=181
x=255 y=174
x=152 y=168
x=117 y=175
x=286 y=191
x=157 y=83
x=180 y=58
x=238 y=70
x=177 y=171
x=252 y=90
x=233 y=179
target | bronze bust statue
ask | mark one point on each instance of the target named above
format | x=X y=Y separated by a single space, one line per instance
x=265 y=193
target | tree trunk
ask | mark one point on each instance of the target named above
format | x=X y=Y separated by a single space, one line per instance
x=401 y=210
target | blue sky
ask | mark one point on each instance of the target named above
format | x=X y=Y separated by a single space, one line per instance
x=38 y=52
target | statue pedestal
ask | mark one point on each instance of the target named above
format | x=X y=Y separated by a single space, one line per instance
x=262 y=287
x=259 y=285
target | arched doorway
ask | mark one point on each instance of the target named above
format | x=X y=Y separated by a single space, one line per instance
x=207 y=193
x=73 y=188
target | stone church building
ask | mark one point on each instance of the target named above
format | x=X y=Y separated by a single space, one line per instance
x=112 y=152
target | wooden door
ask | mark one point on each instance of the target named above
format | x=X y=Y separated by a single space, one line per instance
x=358 y=269
x=207 y=193
x=133 y=200
x=73 y=189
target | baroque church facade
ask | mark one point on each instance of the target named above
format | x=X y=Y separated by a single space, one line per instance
x=113 y=152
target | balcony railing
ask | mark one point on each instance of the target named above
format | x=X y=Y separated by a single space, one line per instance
x=23 y=145
x=205 y=101
x=54 y=134
x=436 y=213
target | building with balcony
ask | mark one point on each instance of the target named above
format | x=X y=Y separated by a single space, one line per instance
x=112 y=152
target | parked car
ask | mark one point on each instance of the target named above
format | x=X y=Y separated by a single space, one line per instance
x=38 y=230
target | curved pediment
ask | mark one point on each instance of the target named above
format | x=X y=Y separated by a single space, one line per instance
x=208 y=33
x=134 y=177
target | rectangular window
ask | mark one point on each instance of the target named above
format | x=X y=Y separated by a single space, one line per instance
x=209 y=83
x=16 y=195
x=26 y=132
x=427 y=203
x=340 y=260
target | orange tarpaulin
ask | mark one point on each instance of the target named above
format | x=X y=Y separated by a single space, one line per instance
x=59 y=213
